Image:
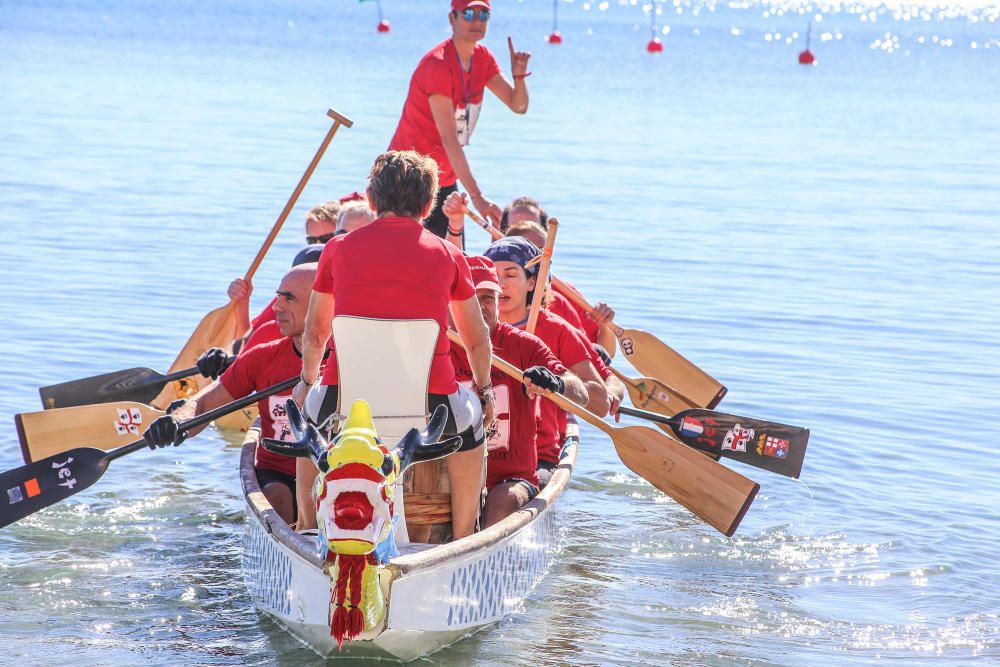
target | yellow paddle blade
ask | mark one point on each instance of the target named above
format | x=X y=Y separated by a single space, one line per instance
x=217 y=329
x=104 y=426
x=653 y=357
x=716 y=494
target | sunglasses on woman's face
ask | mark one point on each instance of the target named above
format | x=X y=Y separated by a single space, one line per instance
x=471 y=15
x=323 y=238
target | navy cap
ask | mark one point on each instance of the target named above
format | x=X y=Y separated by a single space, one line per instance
x=308 y=254
x=514 y=249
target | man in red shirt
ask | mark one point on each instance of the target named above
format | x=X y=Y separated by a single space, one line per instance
x=395 y=269
x=512 y=461
x=444 y=99
x=258 y=368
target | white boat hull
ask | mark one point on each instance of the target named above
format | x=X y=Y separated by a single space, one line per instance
x=436 y=594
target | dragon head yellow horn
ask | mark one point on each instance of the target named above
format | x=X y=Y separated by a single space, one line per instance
x=360 y=417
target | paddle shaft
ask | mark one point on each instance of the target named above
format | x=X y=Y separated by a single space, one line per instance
x=543 y=276
x=338 y=120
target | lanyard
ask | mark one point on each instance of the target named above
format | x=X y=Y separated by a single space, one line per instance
x=466 y=86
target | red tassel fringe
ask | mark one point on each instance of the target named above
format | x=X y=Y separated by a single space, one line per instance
x=348 y=621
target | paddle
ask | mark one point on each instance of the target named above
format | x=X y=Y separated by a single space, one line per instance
x=651 y=394
x=38 y=485
x=779 y=448
x=543 y=275
x=221 y=326
x=713 y=492
x=646 y=352
x=132 y=384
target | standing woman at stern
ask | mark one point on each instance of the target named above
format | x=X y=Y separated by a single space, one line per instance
x=395 y=269
x=443 y=103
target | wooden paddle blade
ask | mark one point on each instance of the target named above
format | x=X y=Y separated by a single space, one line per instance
x=131 y=384
x=716 y=494
x=653 y=395
x=779 y=448
x=102 y=426
x=653 y=357
x=217 y=329
x=38 y=485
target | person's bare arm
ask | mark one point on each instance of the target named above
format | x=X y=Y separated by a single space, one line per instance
x=475 y=335
x=443 y=111
x=597 y=392
x=211 y=397
x=514 y=96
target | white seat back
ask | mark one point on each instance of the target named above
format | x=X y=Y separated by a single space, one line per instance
x=387 y=363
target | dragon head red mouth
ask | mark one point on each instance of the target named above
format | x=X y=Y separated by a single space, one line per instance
x=352 y=510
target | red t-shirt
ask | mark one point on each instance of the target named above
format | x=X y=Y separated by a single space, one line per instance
x=261 y=367
x=563 y=307
x=266 y=315
x=440 y=73
x=587 y=324
x=395 y=269
x=265 y=333
x=570 y=348
x=512 y=444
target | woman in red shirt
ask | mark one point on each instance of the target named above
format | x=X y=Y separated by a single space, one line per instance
x=396 y=269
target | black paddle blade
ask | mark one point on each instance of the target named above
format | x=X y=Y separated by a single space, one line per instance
x=38 y=485
x=779 y=448
x=141 y=385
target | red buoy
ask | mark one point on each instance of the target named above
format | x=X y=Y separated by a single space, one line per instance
x=554 y=38
x=383 y=26
x=655 y=45
x=807 y=58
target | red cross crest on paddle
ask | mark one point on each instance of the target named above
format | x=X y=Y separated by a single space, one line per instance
x=129 y=421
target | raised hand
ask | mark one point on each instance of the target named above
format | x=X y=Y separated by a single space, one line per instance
x=518 y=60
x=454 y=207
x=240 y=290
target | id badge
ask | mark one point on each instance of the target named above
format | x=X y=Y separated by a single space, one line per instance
x=465 y=122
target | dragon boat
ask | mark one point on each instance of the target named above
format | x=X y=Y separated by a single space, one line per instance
x=420 y=593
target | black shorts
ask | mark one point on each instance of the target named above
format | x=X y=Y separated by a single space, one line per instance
x=437 y=222
x=267 y=476
x=472 y=435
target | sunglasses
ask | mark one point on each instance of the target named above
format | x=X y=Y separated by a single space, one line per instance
x=312 y=240
x=476 y=15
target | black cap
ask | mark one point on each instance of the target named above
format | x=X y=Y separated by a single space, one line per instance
x=308 y=254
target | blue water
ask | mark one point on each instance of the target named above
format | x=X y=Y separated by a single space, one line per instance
x=822 y=239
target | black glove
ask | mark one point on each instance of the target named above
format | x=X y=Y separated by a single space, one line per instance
x=213 y=362
x=543 y=378
x=602 y=353
x=162 y=432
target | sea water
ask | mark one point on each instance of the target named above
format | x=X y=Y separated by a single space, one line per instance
x=824 y=240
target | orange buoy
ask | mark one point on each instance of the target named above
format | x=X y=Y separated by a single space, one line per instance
x=554 y=38
x=655 y=45
x=383 y=26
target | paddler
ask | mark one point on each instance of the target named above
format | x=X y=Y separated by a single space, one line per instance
x=511 y=255
x=396 y=269
x=444 y=100
x=512 y=457
x=260 y=367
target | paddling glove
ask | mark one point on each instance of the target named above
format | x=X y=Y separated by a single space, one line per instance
x=164 y=431
x=543 y=378
x=213 y=362
x=602 y=353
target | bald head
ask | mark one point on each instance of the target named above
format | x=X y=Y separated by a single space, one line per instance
x=293 y=299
